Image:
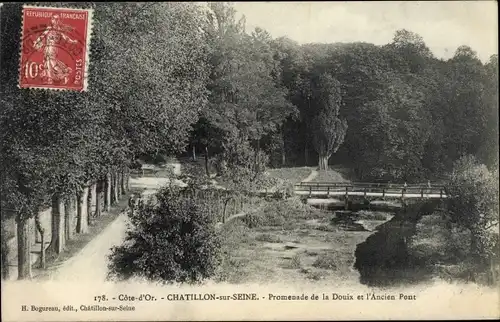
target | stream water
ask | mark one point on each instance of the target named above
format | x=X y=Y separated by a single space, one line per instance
x=383 y=258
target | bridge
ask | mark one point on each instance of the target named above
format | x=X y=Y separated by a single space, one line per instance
x=364 y=189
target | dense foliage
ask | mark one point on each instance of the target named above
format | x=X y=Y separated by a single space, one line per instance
x=171 y=240
x=409 y=115
x=473 y=204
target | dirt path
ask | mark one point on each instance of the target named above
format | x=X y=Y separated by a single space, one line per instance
x=312 y=176
x=90 y=264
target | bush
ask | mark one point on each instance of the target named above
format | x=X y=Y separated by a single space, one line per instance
x=325 y=261
x=269 y=238
x=281 y=213
x=173 y=240
x=136 y=164
x=253 y=220
x=295 y=262
x=473 y=204
x=239 y=162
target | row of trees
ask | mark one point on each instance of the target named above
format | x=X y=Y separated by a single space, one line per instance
x=147 y=83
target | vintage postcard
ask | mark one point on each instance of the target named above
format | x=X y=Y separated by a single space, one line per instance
x=217 y=161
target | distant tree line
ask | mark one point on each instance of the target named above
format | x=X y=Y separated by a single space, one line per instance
x=409 y=115
x=393 y=112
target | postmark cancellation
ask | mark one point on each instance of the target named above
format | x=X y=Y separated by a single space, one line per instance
x=54 y=51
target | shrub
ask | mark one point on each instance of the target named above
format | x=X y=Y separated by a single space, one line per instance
x=239 y=162
x=473 y=204
x=314 y=275
x=280 y=213
x=325 y=261
x=268 y=238
x=295 y=262
x=253 y=220
x=235 y=232
x=136 y=164
x=171 y=241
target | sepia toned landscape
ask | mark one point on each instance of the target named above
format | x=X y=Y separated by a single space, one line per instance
x=206 y=150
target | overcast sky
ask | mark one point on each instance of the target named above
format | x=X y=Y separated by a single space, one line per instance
x=444 y=25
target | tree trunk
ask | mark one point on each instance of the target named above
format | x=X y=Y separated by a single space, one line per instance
x=224 y=211
x=207 y=170
x=81 y=224
x=257 y=156
x=114 y=195
x=306 y=154
x=98 y=198
x=118 y=185
x=107 y=192
x=322 y=159
x=69 y=214
x=5 y=253
x=57 y=227
x=23 y=250
x=283 y=147
x=41 y=231
x=475 y=248
x=127 y=180
x=115 y=188
x=194 y=152
x=122 y=183
x=90 y=203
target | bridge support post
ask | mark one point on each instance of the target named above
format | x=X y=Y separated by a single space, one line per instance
x=404 y=204
x=346 y=199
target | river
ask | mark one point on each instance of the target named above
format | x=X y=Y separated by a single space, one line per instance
x=383 y=258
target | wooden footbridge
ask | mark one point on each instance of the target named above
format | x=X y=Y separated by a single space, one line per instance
x=369 y=190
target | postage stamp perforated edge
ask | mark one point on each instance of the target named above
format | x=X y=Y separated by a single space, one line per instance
x=88 y=36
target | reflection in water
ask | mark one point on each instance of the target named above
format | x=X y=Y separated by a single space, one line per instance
x=348 y=221
x=383 y=259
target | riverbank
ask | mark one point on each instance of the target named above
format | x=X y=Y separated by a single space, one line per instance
x=289 y=242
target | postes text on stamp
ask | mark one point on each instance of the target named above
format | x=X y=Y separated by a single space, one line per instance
x=54 y=48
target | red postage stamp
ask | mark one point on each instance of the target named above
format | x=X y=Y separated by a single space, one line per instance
x=55 y=48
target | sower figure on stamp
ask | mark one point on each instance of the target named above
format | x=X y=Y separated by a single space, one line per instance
x=54 y=69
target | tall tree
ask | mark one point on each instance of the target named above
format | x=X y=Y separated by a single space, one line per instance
x=246 y=102
x=328 y=129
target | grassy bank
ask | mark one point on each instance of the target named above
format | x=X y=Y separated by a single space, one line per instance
x=333 y=174
x=292 y=175
x=288 y=242
x=444 y=247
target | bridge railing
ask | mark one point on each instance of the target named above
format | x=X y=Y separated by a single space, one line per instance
x=367 y=189
x=367 y=185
